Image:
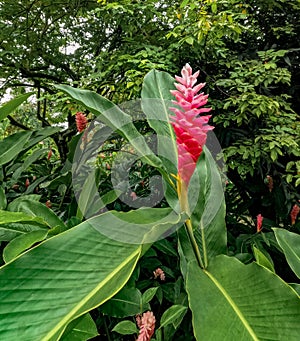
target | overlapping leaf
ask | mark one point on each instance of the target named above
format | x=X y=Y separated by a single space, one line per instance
x=231 y=301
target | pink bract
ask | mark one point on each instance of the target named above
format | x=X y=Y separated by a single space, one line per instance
x=190 y=128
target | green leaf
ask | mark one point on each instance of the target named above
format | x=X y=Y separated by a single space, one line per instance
x=172 y=314
x=143 y=225
x=12 y=105
x=27 y=162
x=12 y=145
x=214 y=7
x=81 y=329
x=7 y=217
x=232 y=301
x=36 y=209
x=290 y=244
x=68 y=275
x=149 y=294
x=207 y=203
x=126 y=302
x=89 y=201
x=125 y=328
x=22 y=243
x=296 y=287
x=12 y=230
x=3 y=201
x=40 y=135
x=262 y=260
x=156 y=101
x=115 y=118
x=62 y=278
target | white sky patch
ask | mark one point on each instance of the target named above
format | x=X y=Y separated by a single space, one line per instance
x=69 y=49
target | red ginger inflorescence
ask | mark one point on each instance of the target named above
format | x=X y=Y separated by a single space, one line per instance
x=81 y=121
x=190 y=128
x=146 y=323
x=294 y=213
x=259 y=221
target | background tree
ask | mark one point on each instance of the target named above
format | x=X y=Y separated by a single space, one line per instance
x=248 y=53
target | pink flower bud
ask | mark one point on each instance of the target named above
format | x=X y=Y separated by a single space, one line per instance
x=159 y=273
x=259 y=222
x=81 y=121
x=294 y=213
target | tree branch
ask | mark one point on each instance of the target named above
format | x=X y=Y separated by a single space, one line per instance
x=16 y=123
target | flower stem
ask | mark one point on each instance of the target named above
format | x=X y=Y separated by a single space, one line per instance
x=194 y=243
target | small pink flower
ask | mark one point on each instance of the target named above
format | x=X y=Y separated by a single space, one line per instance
x=259 y=222
x=146 y=323
x=190 y=128
x=159 y=273
x=294 y=213
x=81 y=121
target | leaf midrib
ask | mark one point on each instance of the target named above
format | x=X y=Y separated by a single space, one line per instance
x=67 y=318
x=233 y=305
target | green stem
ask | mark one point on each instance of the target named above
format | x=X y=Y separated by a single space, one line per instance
x=203 y=244
x=194 y=243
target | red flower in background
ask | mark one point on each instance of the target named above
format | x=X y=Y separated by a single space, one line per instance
x=27 y=183
x=49 y=154
x=294 y=213
x=190 y=128
x=81 y=121
x=259 y=222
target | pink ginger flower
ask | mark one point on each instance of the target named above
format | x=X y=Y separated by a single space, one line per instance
x=259 y=222
x=81 y=121
x=190 y=128
x=159 y=273
x=294 y=213
x=146 y=323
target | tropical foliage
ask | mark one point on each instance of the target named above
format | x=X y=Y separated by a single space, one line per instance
x=100 y=238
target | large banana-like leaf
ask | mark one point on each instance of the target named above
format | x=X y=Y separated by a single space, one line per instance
x=231 y=301
x=45 y=288
x=111 y=115
x=207 y=203
x=156 y=103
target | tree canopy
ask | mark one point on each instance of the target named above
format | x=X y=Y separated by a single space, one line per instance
x=247 y=52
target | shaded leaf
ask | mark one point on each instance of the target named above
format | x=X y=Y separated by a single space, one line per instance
x=127 y=302
x=36 y=209
x=262 y=260
x=172 y=314
x=81 y=329
x=12 y=145
x=125 y=328
x=22 y=243
x=290 y=244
